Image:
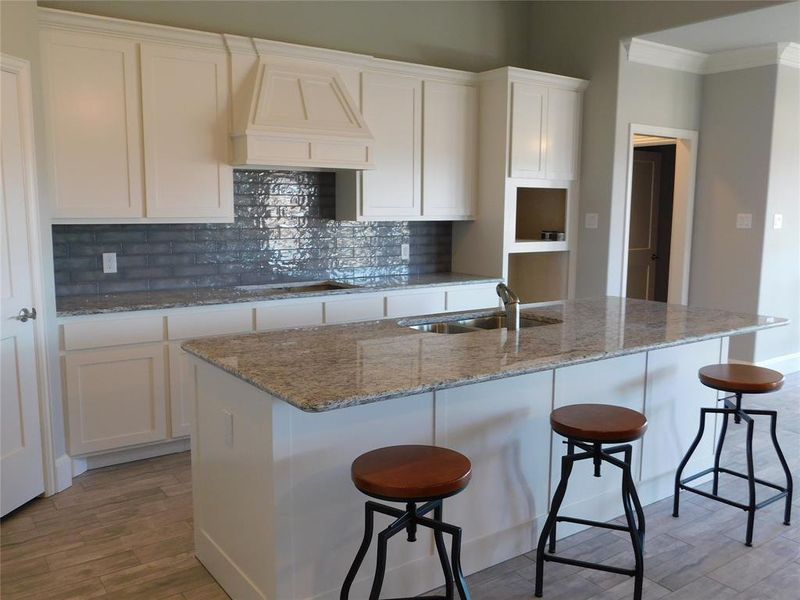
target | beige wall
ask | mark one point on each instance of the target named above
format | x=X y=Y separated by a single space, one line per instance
x=474 y=36
x=779 y=292
x=582 y=39
x=19 y=37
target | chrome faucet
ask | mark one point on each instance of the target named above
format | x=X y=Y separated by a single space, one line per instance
x=511 y=305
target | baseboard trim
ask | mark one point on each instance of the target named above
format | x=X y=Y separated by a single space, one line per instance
x=116 y=457
x=63 y=472
x=788 y=363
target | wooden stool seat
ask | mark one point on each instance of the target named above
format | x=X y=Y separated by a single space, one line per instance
x=411 y=473
x=598 y=423
x=741 y=379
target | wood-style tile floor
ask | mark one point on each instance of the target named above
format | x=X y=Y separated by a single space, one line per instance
x=125 y=532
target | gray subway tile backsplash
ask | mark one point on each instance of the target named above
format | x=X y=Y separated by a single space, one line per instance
x=284 y=230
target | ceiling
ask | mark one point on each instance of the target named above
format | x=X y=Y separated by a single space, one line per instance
x=779 y=23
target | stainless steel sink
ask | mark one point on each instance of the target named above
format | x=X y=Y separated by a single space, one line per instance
x=477 y=324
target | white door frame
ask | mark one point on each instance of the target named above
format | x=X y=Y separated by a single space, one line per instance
x=22 y=69
x=682 y=209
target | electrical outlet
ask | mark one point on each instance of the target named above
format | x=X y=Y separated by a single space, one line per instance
x=109 y=262
x=591 y=220
x=777 y=221
x=405 y=251
x=744 y=221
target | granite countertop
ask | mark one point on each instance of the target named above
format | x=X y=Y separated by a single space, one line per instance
x=94 y=304
x=323 y=368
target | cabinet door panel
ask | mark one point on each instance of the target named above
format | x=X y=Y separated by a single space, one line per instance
x=280 y=316
x=619 y=381
x=450 y=149
x=470 y=298
x=356 y=309
x=674 y=399
x=94 y=130
x=563 y=124
x=115 y=397
x=392 y=106
x=185 y=111
x=181 y=392
x=406 y=305
x=528 y=130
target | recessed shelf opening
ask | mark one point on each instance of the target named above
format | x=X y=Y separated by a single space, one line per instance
x=539 y=276
x=541 y=210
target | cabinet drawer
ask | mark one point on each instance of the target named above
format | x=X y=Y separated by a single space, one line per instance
x=116 y=397
x=280 y=316
x=471 y=298
x=213 y=322
x=407 y=305
x=112 y=332
x=355 y=309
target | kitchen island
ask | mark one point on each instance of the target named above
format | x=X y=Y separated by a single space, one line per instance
x=281 y=415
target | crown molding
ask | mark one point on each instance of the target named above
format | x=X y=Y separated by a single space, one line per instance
x=65 y=20
x=538 y=77
x=668 y=57
x=679 y=59
x=790 y=55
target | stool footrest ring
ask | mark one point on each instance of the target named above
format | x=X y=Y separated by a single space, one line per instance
x=587 y=565
x=591 y=523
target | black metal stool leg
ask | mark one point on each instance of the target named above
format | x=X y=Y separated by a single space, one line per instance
x=751 y=485
x=787 y=514
x=440 y=548
x=637 y=534
x=635 y=499
x=455 y=551
x=558 y=498
x=684 y=462
x=362 y=551
x=718 y=453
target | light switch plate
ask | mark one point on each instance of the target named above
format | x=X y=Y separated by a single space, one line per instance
x=744 y=221
x=777 y=221
x=591 y=220
x=405 y=251
x=109 y=262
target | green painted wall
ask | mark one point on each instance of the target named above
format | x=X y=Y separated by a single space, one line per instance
x=462 y=35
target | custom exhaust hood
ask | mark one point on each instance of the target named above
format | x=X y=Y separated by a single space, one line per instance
x=301 y=116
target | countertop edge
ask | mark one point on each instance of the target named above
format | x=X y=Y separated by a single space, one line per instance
x=524 y=370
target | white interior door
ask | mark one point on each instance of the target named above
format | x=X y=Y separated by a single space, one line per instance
x=643 y=238
x=21 y=470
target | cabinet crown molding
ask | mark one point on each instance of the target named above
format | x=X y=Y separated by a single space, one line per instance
x=515 y=74
x=53 y=18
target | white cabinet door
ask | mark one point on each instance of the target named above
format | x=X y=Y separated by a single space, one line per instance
x=528 y=130
x=355 y=309
x=472 y=297
x=181 y=392
x=115 y=397
x=563 y=125
x=619 y=381
x=420 y=303
x=275 y=315
x=91 y=85
x=449 y=149
x=185 y=112
x=392 y=108
x=674 y=399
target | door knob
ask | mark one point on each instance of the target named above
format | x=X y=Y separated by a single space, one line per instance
x=654 y=257
x=26 y=314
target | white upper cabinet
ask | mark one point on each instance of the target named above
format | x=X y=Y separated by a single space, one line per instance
x=136 y=131
x=528 y=126
x=91 y=85
x=544 y=131
x=392 y=108
x=563 y=127
x=185 y=113
x=449 y=150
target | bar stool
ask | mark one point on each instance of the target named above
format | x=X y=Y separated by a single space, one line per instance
x=587 y=427
x=411 y=474
x=738 y=379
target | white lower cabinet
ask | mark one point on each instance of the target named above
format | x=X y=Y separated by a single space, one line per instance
x=181 y=392
x=406 y=305
x=360 y=308
x=292 y=314
x=116 y=397
x=472 y=298
x=619 y=381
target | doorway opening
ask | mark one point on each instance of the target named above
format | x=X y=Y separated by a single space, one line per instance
x=658 y=214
